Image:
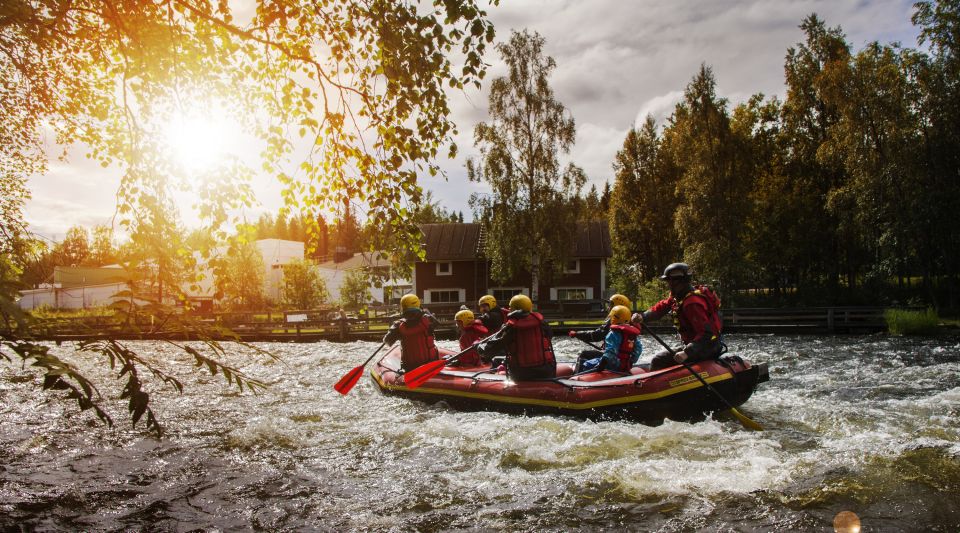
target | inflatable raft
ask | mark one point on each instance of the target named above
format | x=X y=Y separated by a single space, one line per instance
x=640 y=395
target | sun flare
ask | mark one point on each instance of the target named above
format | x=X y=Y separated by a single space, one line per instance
x=198 y=143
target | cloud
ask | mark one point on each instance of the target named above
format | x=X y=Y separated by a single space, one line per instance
x=658 y=107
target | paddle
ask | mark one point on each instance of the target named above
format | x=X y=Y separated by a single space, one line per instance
x=418 y=376
x=747 y=423
x=350 y=378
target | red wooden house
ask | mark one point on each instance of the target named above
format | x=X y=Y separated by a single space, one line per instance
x=455 y=271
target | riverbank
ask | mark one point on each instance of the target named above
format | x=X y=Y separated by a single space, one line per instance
x=304 y=328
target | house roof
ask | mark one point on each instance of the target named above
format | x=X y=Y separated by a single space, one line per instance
x=451 y=242
x=359 y=260
x=464 y=242
x=593 y=240
x=69 y=277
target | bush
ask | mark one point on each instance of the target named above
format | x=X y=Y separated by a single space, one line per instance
x=906 y=322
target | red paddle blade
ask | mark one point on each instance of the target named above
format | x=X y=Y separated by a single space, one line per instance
x=418 y=376
x=349 y=380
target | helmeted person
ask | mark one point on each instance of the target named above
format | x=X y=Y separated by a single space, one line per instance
x=492 y=316
x=525 y=339
x=696 y=315
x=621 y=349
x=601 y=332
x=415 y=333
x=471 y=332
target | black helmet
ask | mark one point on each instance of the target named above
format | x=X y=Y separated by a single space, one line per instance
x=676 y=271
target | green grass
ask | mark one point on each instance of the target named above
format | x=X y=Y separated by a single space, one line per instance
x=904 y=322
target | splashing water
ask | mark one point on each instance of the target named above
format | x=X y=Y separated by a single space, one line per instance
x=866 y=424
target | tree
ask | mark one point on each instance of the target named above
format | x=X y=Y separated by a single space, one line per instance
x=303 y=288
x=642 y=204
x=74 y=249
x=714 y=182
x=361 y=83
x=429 y=211
x=532 y=204
x=102 y=251
x=240 y=281
x=823 y=249
x=355 y=290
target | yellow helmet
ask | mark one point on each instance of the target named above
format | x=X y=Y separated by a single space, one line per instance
x=619 y=299
x=521 y=302
x=489 y=300
x=619 y=315
x=408 y=301
x=464 y=317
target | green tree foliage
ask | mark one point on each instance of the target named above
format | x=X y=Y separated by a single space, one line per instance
x=240 y=279
x=714 y=182
x=303 y=288
x=355 y=290
x=642 y=204
x=74 y=249
x=431 y=212
x=360 y=84
x=102 y=250
x=532 y=207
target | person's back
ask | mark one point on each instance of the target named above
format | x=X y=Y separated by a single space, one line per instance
x=525 y=338
x=472 y=331
x=415 y=333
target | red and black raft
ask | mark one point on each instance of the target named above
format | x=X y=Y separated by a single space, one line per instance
x=641 y=395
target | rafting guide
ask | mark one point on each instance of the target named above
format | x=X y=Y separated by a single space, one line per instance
x=696 y=316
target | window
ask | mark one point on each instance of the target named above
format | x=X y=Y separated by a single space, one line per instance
x=398 y=292
x=503 y=294
x=444 y=296
x=572 y=266
x=445 y=269
x=572 y=294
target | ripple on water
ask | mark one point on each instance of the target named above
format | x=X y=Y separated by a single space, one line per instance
x=861 y=423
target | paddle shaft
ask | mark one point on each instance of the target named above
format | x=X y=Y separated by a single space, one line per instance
x=688 y=367
x=365 y=363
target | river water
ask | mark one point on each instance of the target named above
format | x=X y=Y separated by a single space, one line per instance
x=864 y=424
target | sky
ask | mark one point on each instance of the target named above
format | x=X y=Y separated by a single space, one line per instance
x=617 y=62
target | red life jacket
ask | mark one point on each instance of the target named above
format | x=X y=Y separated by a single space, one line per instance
x=472 y=333
x=628 y=339
x=712 y=301
x=530 y=347
x=416 y=343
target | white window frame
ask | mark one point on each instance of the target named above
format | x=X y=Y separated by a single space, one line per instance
x=461 y=295
x=575 y=270
x=555 y=293
x=512 y=290
x=449 y=264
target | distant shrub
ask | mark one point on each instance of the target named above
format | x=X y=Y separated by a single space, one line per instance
x=906 y=322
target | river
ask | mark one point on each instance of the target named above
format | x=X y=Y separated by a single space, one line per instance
x=863 y=424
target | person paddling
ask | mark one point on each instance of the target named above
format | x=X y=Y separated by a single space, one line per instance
x=471 y=332
x=696 y=315
x=415 y=333
x=525 y=338
x=621 y=349
x=492 y=317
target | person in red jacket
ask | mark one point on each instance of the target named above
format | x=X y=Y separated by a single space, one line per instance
x=471 y=332
x=415 y=333
x=696 y=315
x=525 y=337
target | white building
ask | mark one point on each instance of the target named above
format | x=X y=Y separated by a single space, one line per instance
x=390 y=289
x=276 y=254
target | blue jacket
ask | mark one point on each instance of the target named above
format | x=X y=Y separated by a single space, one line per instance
x=611 y=345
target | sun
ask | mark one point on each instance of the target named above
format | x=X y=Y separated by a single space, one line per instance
x=197 y=143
